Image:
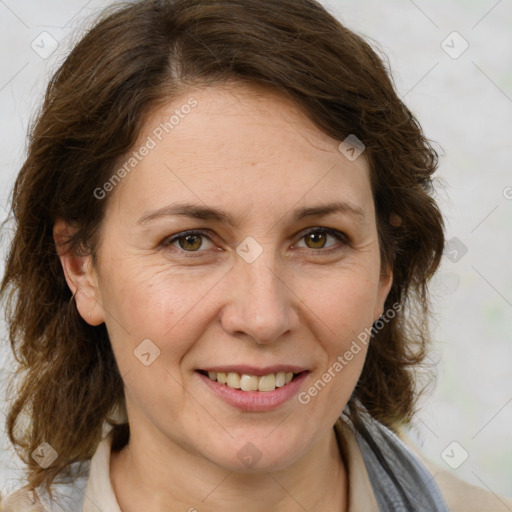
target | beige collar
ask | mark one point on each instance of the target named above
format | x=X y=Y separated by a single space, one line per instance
x=360 y=492
x=99 y=494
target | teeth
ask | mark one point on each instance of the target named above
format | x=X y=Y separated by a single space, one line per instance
x=233 y=380
x=267 y=382
x=252 y=382
x=280 y=379
x=249 y=383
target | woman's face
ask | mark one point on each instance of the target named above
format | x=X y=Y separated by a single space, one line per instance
x=266 y=284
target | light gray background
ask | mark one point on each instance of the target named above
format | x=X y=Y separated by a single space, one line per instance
x=465 y=105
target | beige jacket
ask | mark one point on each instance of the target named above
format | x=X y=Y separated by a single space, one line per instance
x=100 y=497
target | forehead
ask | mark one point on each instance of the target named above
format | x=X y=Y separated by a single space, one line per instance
x=241 y=145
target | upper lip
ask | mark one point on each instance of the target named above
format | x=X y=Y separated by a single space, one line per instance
x=254 y=370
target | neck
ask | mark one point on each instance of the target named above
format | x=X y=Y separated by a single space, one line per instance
x=147 y=477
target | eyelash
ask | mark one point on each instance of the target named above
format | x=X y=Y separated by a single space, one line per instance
x=341 y=237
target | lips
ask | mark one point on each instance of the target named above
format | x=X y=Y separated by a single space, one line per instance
x=259 y=391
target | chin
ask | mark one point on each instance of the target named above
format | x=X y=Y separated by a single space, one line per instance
x=258 y=453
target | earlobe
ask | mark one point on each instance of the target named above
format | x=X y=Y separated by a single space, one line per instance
x=80 y=275
x=385 y=283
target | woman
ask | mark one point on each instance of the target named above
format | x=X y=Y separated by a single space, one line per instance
x=217 y=283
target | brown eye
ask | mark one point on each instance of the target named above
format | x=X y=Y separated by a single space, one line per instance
x=317 y=238
x=189 y=241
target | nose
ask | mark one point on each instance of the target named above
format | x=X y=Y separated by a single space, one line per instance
x=261 y=304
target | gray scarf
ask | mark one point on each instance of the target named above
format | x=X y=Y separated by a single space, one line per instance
x=399 y=480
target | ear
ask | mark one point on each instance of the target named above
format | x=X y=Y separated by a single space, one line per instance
x=80 y=275
x=385 y=283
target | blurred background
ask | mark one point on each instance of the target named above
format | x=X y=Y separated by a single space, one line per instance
x=452 y=65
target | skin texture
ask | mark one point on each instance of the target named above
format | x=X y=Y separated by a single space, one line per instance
x=302 y=301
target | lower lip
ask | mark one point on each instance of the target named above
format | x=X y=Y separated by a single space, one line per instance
x=255 y=401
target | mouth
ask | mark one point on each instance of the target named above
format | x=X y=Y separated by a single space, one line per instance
x=253 y=389
x=256 y=381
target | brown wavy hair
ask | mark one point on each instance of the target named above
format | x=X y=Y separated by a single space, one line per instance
x=136 y=57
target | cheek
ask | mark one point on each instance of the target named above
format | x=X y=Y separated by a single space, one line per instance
x=154 y=302
x=343 y=302
x=349 y=314
x=342 y=310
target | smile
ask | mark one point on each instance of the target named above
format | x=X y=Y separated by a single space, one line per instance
x=254 y=389
x=247 y=382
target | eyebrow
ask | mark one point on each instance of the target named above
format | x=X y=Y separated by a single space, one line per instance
x=218 y=215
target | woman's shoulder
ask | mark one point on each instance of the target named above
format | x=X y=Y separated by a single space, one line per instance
x=22 y=499
x=461 y=496
x=66 y=497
